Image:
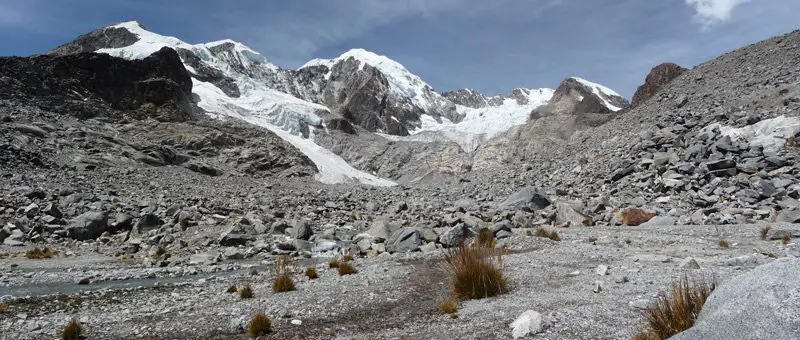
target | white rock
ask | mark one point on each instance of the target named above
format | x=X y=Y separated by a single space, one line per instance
x=602 y=270
x=297 y=322
x=529 y=322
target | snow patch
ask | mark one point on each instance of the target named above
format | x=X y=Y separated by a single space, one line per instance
x=771 y=134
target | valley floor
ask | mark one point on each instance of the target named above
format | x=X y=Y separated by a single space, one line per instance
x=392 y=296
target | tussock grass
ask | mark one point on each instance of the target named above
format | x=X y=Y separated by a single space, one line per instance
x=786 y=238
x=72 y=331
x=724 y=243
x=259 y=325
x=485 y=238
x=765 y=232
x=477 y=272
x=311 y=273
x=448 y=306
x=551 y=234
x=345 y=268
x=283 y=283
x=232 y=289
x=677 y=310
x=246 y=292
x=253 y=271
x=334 y=263
x=38 y=254
x=347 y=258
x=2 y=308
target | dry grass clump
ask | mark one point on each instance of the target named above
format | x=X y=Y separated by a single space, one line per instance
x=253 y=271
x=334 y=263
x=765 y=232
x=448 y=306
x=311 y=273
x=477 y=272
x=246 y=292
x=2 y=308
x=38 y=254
x=786 y=238
x=347 y=258
x=676 y=311
x=723 y=243
x=259 y=325
x=592 y=239
x=345 y=268
x=551 y=234
x=72 y=331
x=232 y=289
x=283 y=283
x=485 y=238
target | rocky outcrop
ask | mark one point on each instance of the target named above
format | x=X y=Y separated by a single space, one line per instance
x=655 y=80
x=575 y=96
x=91 y=85
x=108 y=37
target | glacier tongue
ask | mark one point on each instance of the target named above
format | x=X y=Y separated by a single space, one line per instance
x=481 y=124
x=281 y=113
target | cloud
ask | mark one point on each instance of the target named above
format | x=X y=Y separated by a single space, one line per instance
x=711 y=12
x=289 y=40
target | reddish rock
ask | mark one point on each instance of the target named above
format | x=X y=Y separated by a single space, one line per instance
x=635 y=216
x=658 y=77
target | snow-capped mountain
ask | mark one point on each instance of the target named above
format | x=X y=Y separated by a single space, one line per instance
x=356 y=92
x=228 y=80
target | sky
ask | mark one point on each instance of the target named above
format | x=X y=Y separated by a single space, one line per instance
x=492 y=46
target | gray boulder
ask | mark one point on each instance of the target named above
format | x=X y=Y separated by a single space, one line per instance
x=380 y=230
x=761 y=304
x=570 y=212
x=404 y=240
x=87 y=226
x=301 y=229
x=453 y=237
x=529 y=198
x=148 y=222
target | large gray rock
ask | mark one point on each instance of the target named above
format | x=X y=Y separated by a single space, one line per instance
x=404 y=240
x=301 y=229
x=528 y=198
x=87 y=226
x=380 y=230
x=571 y=212
x=455 y=235
x=761 y=304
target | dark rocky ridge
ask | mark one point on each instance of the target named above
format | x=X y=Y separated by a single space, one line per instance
x=658 y=77
x=90 y=85
x=476 y=100
x=109 y=37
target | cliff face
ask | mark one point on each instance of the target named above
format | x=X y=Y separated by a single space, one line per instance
x=90 y=84
x=655 y=80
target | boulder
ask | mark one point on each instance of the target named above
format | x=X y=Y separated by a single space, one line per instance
x=761 y=304
x=635 y=216
x=148 y=222
x=567 y=212
x=529 y=198
x=404 y=240
x=454 y=236
x=380 y=230
x=301 y=229
x=87 y=226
